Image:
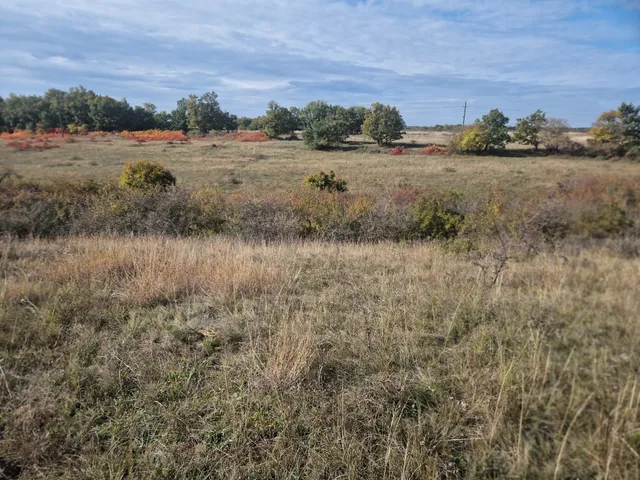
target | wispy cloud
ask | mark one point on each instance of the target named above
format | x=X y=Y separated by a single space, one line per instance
x=426 y=56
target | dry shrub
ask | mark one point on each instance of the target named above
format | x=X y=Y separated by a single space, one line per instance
x=434 y=150
x=155 y=135
x=36 y=144
x=399 y=150
x=248 y=137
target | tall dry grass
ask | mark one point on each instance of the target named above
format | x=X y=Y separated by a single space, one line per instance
x=193 y=358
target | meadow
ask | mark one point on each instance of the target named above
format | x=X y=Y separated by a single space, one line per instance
x=281 y=165
x=506 y=348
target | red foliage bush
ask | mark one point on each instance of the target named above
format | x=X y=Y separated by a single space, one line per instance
x=434 y=150
x=398 y=151
x=248 y=137
x=37 y=144
x=155 y=135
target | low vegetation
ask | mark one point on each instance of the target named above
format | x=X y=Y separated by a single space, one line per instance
x=181 y=358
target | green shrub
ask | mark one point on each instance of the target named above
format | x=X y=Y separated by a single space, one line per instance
x=143 y=175
x=437 y=218
x=325 y=132
x=609 y=221
x=322 y=181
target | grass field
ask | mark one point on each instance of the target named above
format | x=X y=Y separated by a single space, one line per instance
x=280 y=165
x=208 y=357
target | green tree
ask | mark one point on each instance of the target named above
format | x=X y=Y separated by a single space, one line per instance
x=354 y=117
x=1 y=113
x=325 y=132
x=108 y=114
x=77 y=106
x=528 y=129
x=22 y=112
x=277 y=121
x=204 y=113
x=53 y=109
x=229 y=122
x=143 y=118
x=630 y=119
x=313 y=111
x=179 y=116
x=383 y=123
x=295 y=113
x=162 y=120
x=244 y=122
x=496 y=132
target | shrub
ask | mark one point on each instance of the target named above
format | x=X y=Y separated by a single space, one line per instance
x=325 y=132
x=434 y=150
x=437 y=217
x=277 y=121
x=322 y=181
x=143 y=175
x=155 y=135
x=554 y=134
x=383 y=124
x=247 y=137
x=399 y=150
x=471 y=140
x=77 y=129
x=609 y=221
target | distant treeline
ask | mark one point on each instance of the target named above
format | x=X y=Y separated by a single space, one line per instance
x=80 y=110
x=437 y=128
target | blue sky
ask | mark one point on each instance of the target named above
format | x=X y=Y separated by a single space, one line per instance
x=571 y=58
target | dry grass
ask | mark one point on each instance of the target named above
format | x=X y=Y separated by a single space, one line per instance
x=187 y=358
x=247 y=167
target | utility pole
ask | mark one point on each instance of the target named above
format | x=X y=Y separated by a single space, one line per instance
x=464 y=115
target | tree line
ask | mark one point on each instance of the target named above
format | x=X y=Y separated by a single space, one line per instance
x=324 y=125
x=80 y=110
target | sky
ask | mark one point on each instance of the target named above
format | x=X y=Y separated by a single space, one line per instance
x=571 y=58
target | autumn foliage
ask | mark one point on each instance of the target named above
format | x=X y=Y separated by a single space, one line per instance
x=398 y=151
x=248 y=137
x=155 y=135
x=31 y=144
x=434 y=150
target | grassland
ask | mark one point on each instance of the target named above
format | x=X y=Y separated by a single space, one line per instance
x=208 y=357
x=248 y=167
x=169 y=358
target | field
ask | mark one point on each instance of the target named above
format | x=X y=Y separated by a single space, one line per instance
x=247 y=167
x=507 y=350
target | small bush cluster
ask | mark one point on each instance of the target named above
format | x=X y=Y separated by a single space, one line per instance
x=144 y=175
x=434 y=150
x=399 y=150
x=328 y=182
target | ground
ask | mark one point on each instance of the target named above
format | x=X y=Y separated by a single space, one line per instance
x=247 y=167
